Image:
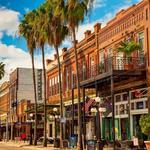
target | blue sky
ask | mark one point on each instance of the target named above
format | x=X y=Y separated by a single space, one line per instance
x=13 y=49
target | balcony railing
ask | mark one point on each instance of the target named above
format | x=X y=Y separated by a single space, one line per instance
x=113 y=63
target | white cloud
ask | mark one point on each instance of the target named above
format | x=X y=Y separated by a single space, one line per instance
x=99 y=4
x=15 y=57
x=9 y=21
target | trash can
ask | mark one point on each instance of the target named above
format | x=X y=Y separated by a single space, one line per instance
x=56 y=142
x=91 y=144
x=73 y=141
x=65 y=143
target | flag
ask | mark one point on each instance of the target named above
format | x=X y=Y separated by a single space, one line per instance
x=88 y=104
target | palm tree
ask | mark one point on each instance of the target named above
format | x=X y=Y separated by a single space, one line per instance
x=41 y=38
x=26 y=30
x=76 y=10
x=128 y=47
x=57 y=32
x=2 y=71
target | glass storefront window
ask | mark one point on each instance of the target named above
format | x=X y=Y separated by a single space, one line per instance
x=139 y=105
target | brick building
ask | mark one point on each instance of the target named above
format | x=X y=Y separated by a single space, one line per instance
x=4 y=107
x=22 y=96
x=103 y=68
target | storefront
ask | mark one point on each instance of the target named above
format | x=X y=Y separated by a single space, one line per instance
x=121 y=128
x=136 y=127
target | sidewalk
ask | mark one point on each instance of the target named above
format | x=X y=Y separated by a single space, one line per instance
x=31 y=147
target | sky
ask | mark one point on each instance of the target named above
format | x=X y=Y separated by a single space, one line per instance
x=13 y=48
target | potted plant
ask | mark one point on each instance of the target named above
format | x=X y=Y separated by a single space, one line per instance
x=128 y=47
x=101 y=67
x=145 y=127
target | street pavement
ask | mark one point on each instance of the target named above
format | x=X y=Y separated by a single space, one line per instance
x=23 y=146
x=4 y=146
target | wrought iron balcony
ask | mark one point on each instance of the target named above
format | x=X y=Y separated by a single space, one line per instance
x=114 y=63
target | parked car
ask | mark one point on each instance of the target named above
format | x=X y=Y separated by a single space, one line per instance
x=50 y=140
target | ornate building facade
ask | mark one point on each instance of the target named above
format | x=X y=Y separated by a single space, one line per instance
x=106 y=70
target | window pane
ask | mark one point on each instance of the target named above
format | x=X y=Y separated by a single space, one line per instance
x=118 y=98
x=125 y=97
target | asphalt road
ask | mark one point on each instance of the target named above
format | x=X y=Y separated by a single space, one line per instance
x=8 y=147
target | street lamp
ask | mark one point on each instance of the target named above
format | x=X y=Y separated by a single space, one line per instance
x=101 y=110
x=99 y=140
x=55 y=117
x=95 y=110
x=30 y=120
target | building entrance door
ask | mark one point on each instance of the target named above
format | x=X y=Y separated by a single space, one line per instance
x=124 y=128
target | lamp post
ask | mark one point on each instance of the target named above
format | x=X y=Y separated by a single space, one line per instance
x=97 y=110
x=101 y=110
x=55 y=117
x=99 y=140
x=30 y=120
x=55 y=110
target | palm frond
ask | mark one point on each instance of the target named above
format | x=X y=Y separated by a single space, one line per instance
x=2 y=70
x=128 y=47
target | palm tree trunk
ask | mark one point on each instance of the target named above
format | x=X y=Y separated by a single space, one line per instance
x=149 y=11
x=45 y=109
x=78 y=89
x=35 y=97
x=60 y=97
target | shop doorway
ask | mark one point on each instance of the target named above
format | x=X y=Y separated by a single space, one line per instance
x=124 y=128
x=137 y=129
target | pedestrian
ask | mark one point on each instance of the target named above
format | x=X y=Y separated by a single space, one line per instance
x=23 y=137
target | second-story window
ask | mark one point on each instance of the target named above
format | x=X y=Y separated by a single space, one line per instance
x=109 y=58
x=101 y=56
x=91 y=66
x=58 y=83
x=57 y=79
x=119 y=64
x=55 y=84
x=141 y=41
x=67 y=79
x=50 y=87
x=72 y=79
x=101 y=61
x=110 y=52
x=83 y=69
